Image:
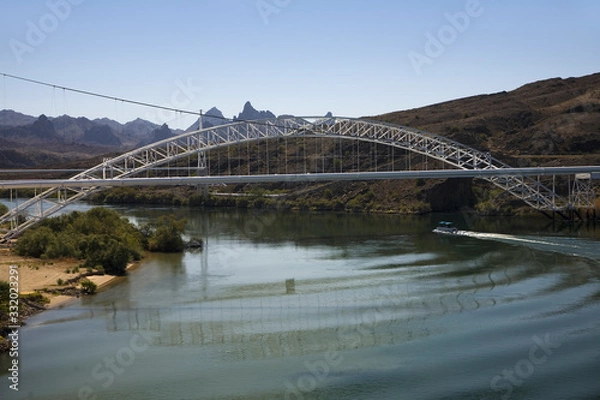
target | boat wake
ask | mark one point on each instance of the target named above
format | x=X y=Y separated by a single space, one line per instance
x=571 y=246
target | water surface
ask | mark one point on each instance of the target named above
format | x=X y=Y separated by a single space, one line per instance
x=379 y=308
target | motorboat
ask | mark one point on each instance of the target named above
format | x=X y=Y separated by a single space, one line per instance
x=446 y=228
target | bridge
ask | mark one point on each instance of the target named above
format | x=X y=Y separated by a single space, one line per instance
x=195 y=158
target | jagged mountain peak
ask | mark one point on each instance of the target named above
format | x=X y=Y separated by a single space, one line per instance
x=251 y=113
x=214 y=112
x=213 y=117
x=161 y=133
x=43 y=128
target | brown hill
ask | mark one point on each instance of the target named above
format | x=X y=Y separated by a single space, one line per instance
x=542 y=121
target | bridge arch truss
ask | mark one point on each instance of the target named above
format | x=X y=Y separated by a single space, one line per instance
x=138 y=162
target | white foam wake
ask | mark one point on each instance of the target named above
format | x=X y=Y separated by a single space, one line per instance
x=565 y=245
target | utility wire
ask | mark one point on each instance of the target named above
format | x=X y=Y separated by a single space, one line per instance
x=89 y=93
x=139 y=103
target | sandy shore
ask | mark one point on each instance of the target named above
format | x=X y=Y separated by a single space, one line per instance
x=36 y=274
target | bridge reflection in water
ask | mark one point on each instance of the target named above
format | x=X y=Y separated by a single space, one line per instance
x=426 y=298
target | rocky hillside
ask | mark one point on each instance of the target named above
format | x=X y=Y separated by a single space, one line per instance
x=538 y=123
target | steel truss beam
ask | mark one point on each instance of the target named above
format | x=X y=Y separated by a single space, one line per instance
x=198 y=143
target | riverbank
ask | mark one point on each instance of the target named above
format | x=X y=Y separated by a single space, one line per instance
x=402 y=197
x=37 y=275
x=43 y=277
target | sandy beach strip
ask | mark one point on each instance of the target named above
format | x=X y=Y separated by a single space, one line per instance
x=36 y=274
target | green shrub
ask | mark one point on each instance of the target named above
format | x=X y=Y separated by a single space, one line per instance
x=257 y=203
x=165 y=235
x=354 y=205
x=107 y=252
x=88 y=287
x=241 y=202
x=34 y=243
x=337 y=205
x=100 y=237
x=36 y=297
x=63 y=245
x=61 y=222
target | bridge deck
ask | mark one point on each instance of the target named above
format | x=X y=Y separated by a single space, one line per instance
x=346 y=176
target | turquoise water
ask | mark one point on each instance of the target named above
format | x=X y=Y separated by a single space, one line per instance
x=379 y=308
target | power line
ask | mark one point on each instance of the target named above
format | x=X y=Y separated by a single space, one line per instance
x=139 y=103
x=89 y=93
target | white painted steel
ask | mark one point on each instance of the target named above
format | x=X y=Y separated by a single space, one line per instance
x=122 y=170
x=270 y=178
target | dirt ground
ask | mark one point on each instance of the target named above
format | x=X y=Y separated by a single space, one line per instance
x=36 y=274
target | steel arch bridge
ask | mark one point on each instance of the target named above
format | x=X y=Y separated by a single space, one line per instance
x=197 y=144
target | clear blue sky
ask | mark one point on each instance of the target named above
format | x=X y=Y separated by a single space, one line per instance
x=302 y=57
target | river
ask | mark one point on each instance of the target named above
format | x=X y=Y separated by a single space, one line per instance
x=328 y=306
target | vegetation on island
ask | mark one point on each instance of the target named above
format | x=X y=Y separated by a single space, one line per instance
x=164 y=234
x=102 y=238
x=99 y=237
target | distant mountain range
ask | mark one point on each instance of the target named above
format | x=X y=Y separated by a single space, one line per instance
x=214 y=117
x=25 y=140
x=18 y=130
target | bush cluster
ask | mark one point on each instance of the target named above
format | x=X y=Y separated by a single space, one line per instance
x=100 y=237
x=365 y=201
x=88 y=287
x=164 y=235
